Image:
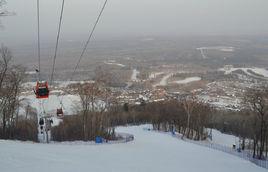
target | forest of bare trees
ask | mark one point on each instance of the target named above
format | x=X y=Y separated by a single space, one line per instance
x=186 y=116
x=12 y=125
x=257 y=101
x=92 y=119
x=250 y=124
x=166 y=116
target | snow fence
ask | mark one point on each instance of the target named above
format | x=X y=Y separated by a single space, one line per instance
x=241 y=154
x=122 y=138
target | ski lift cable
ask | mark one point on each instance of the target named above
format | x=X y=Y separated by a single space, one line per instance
x=57 y=41
x=89 y=39
x=38 y=39
x=60 y=99
x=86 y=45
x=39 y=57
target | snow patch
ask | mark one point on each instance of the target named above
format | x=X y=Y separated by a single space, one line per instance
x=259 y=71
x=155 y=74
x=188 y=80
x=224 y=139
x=163 y=81
x=220 y=48
x=134 y=75
x=114 y=63
x=30 y=72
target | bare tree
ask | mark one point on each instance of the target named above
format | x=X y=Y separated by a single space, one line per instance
x=257 y=101
x=4 y=12
x=94 y=116
x=4 y=63
x=189 y=103
x=2 y=2
x=11 y=77
x=95 y=101
x=4 y=66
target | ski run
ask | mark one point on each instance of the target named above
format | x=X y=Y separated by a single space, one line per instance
x=150 y=151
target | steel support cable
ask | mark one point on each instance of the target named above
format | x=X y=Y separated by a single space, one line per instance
x=85 y=47
x=38 y=39
x=39 y=56
x=89 y=38
x=57 y=42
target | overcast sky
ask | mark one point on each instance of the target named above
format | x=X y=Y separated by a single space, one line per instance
x=136 y=18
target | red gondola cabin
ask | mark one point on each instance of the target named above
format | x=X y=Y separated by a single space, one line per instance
x=41 y=90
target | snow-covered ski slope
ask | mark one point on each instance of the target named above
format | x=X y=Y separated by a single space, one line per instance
x=149 y=152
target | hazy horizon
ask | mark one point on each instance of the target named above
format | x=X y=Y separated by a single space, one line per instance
x=135 y=18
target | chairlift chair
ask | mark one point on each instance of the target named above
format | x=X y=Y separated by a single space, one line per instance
x=41 y=121
x=60 y=113
x=41 y=90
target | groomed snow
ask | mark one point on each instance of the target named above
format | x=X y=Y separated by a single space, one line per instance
x=113 y=63
x=224 y=139
x=188 y=80
x=155 y=74
x=134 y=75
x=164 y=80
x=220 y=48
x=149 y=152
x=261 y=71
